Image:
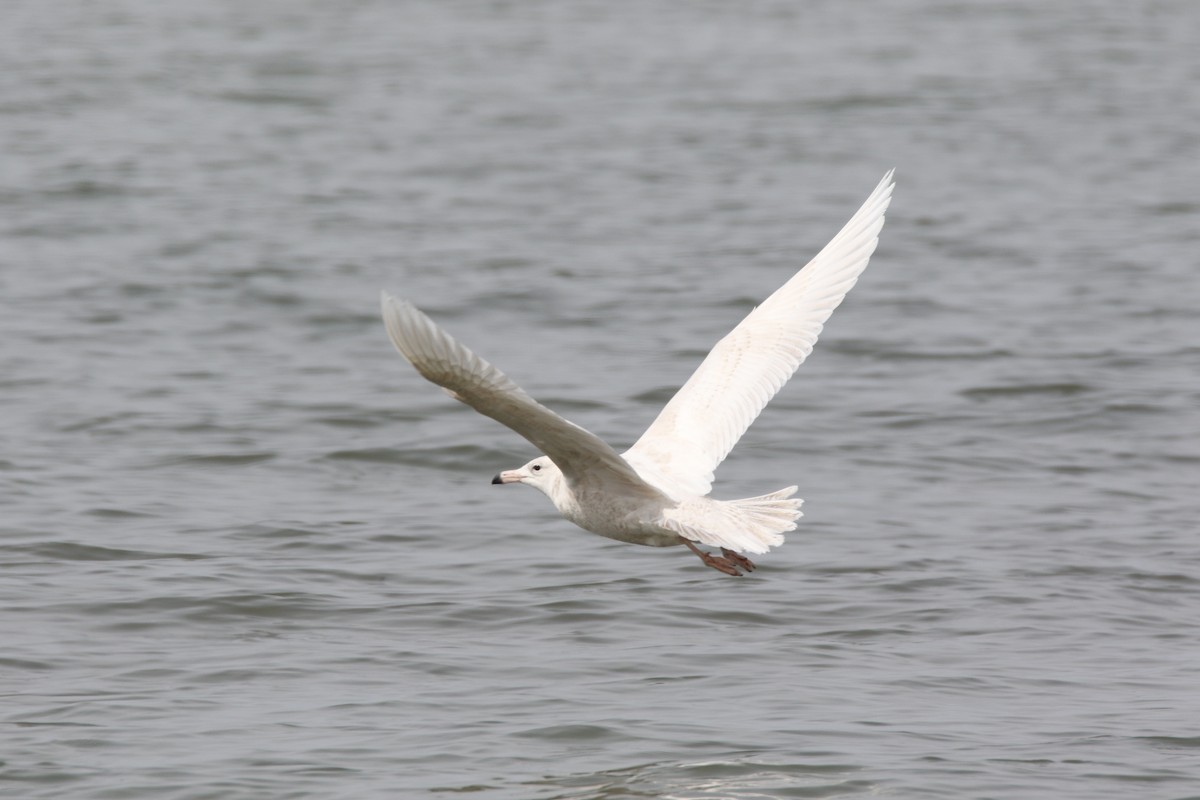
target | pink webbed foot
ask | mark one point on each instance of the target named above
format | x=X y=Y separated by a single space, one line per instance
x=729 y=563
x=739 y=559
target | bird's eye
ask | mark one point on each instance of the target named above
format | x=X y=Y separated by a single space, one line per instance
x=537 y=467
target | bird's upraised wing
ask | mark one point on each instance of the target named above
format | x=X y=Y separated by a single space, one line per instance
x=705 y=419
x=583 y=457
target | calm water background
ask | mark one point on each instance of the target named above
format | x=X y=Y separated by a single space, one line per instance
x=245 y=552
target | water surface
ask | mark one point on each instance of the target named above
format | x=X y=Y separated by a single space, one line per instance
x=247 y=553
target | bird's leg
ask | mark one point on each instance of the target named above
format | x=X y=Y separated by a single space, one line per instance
x=739 y=559
x=716 y=562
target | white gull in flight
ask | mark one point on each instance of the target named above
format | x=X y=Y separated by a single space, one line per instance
x=655 y=493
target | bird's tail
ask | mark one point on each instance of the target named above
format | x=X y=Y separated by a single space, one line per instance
x=762 y=520
x=749 y=525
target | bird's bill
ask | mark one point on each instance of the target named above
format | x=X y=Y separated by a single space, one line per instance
x=508 y=476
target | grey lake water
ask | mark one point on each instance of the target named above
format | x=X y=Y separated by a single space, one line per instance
x=246 y=552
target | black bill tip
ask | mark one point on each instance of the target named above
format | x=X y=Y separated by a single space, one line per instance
x=497 y=479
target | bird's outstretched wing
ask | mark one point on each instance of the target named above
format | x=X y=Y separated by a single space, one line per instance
x=705 y=419
x=583 y=457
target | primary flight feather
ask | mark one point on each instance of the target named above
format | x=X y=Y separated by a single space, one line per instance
x=656 y=492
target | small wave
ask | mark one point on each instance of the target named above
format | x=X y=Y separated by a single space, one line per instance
x=1063 y=389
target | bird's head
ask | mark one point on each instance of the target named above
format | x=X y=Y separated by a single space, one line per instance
x=541 y=474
